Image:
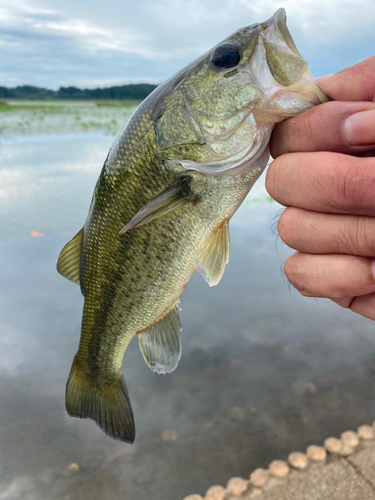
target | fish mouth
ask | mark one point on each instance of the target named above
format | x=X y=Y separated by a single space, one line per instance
x=285 y=77
x=280 y=20
x=286 y=88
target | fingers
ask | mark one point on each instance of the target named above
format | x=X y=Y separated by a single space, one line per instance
x=349 y=281
x=324 y=182
x=325 y=172
x=319 y=233
x=343 y=127
x=355 y=83
x=331 y=276
x=364 y=305
x=329 y=127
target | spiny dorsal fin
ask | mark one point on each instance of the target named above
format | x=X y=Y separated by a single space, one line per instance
x=68 y=263
x=167 y=200
x=215 y=254
x=161 y=344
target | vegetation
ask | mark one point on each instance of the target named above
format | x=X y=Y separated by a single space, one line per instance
x=136 y=91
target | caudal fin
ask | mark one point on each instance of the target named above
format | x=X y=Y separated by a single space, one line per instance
x=107 y=403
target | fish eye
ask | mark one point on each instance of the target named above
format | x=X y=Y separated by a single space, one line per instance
x=225 y=55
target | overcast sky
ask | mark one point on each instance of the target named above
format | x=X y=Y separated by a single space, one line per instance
x=90 y=43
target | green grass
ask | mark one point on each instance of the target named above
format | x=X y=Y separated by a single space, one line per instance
x=5 y=107
x=118 y=104
x=62 y=106
x=264 y=199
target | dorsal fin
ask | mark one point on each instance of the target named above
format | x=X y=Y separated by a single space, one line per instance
x=215 y=254
x=69 y=258
x=161 y=344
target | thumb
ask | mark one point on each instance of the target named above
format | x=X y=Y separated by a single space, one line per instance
x=356 y=83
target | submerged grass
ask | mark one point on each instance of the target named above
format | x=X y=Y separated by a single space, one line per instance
x=263 y=199
x=61 y=117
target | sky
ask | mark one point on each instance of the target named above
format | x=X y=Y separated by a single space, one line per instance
x=100 y=43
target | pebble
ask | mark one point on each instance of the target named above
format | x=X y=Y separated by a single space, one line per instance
x=237 y=485
x=316 y=453
x=169 y=435
x=215 y=493
x=259 y=477
x=279 y=468
x=193 y=497
x=333 y=444
x=350 y=438
x=70 y=470
x=366 y=432
x=298 y=460
x=238 y=413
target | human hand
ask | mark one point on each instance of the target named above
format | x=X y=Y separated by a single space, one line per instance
x=324 y=172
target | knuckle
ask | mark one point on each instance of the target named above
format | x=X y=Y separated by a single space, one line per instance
x=348 y=184
x=287 y=227
x=270 y=181
x=360 y=237
x=283 y=227
x=295 y=273
x=274 y=176
x=290 y=271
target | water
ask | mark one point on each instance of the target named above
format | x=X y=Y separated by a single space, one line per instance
x=264 y=371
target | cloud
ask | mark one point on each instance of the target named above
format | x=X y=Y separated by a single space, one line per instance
x=129 y=41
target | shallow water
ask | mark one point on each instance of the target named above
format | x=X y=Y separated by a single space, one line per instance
x=264 y=371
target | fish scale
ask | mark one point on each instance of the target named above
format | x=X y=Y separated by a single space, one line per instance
x=172 y=180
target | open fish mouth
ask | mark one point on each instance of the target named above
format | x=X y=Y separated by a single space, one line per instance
x=283 y=87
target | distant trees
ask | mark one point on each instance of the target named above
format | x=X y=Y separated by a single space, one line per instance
x=136 y=91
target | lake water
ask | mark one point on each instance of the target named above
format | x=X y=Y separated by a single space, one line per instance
x=264 y=371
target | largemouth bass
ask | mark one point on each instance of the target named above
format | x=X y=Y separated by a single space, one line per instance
x=171 y=182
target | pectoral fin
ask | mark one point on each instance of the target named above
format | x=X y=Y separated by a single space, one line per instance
x=69 y=258
x=215 y=255
x=161 y=344
x=167 y=200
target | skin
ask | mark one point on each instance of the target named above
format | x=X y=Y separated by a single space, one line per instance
x=324 y=173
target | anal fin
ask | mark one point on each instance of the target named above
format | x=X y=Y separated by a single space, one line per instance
x=69 y=258
x=161 y=344
x=214 y=255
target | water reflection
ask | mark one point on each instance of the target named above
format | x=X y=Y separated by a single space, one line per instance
x=263 y=371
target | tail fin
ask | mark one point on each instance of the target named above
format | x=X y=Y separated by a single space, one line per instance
x=106 y=403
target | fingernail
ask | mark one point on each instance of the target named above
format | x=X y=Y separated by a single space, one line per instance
x=359 y=129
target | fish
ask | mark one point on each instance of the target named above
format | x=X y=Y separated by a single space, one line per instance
x=172 y=180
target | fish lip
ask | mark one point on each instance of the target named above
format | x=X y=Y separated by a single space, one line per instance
x=280 y=19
